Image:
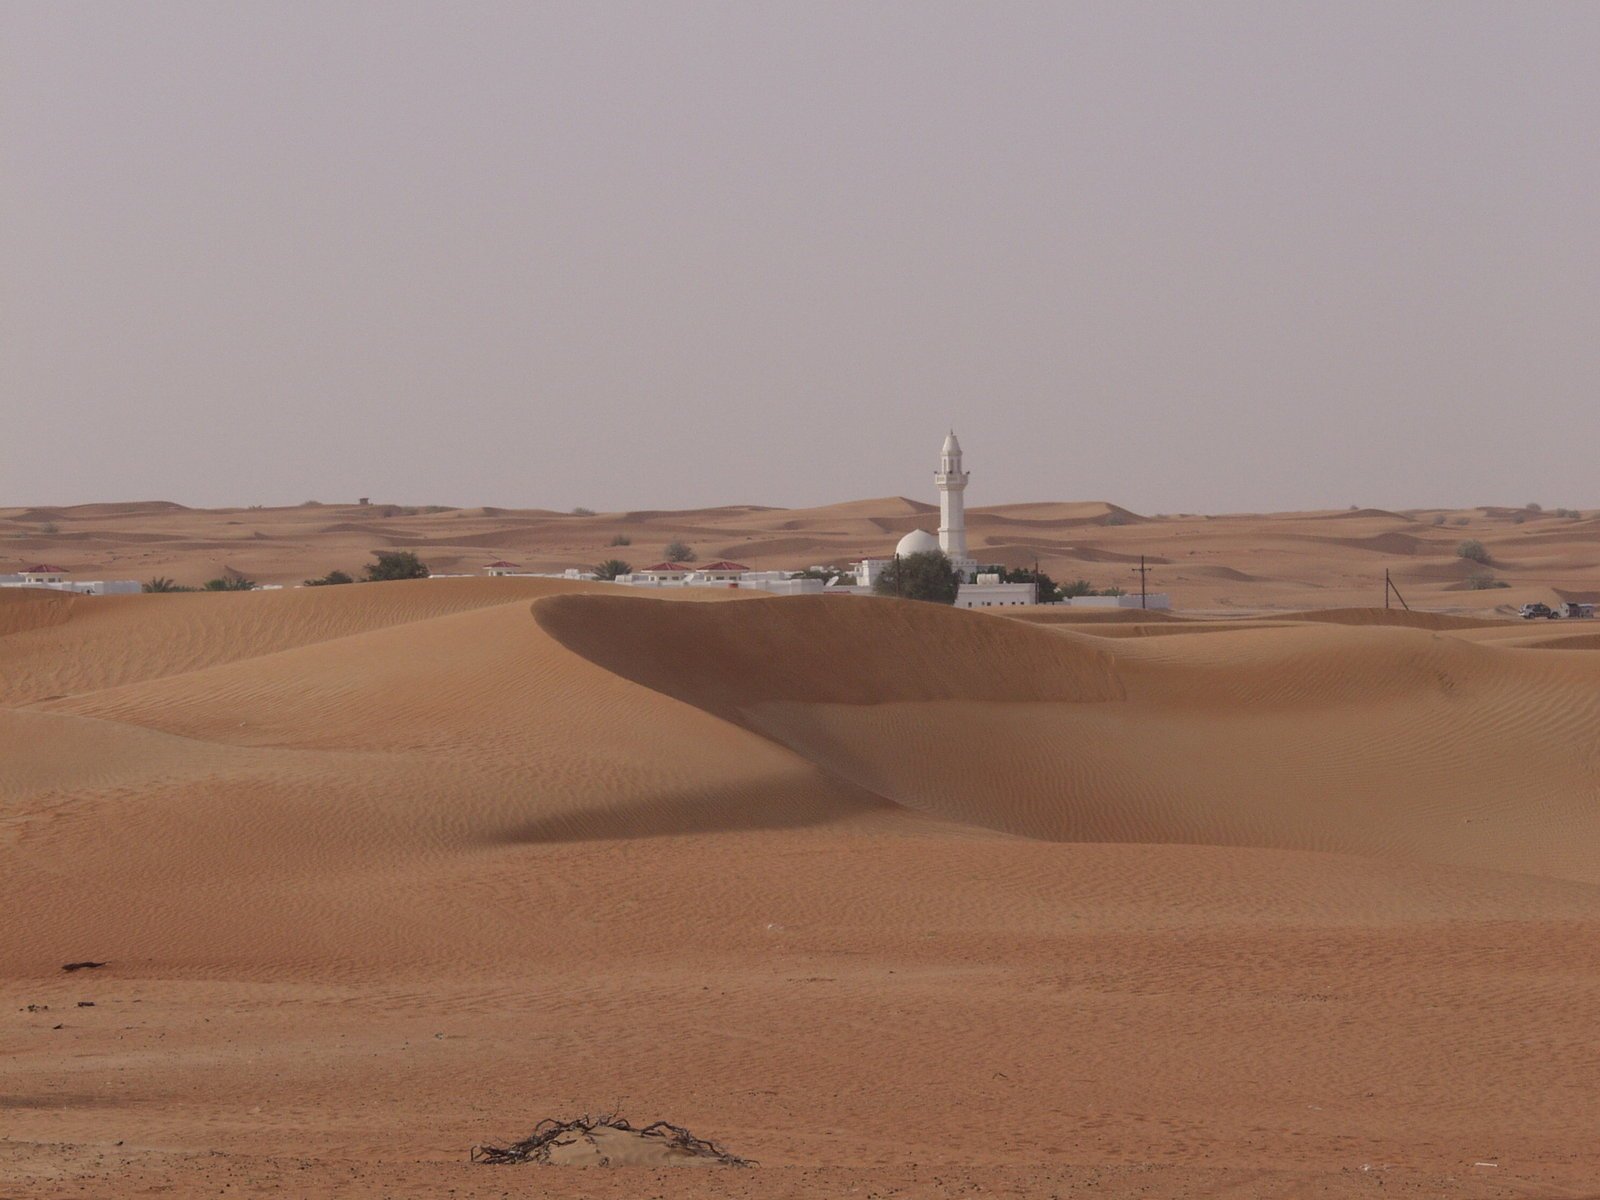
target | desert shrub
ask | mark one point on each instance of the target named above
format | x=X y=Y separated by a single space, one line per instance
x=1572 y=513
x=1439 y=519
x=162 y=584
x=621 y=539
x=50 y=527
x=1117 y=518
x=1460 y=521
x=232 y=582
x=1533 y=508
x=1081 y=587
x=611 y=568
x=432 y=509
x=331 y=579
x=395 y=564
x=925 y=576
x=1519 y=518
x=1482 y=581
x=581 y=511
x=1472 y=549
x=678 y=552
x=1046 y=590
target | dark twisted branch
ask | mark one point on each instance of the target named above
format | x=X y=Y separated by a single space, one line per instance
x=549 y=1132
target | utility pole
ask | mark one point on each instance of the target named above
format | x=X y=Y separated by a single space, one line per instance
x=1144 y=576
x=1389 y=586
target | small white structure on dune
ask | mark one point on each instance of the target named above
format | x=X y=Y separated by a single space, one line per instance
x=54 y=579
x=722 y=571
x=977 y=591
x=1126 y=600
x=721 y=574
x=42 y=576
x=661 y=572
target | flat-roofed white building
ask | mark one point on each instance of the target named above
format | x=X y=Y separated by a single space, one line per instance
x=986 y=591
x=721 y=572
x=1153 y=600
x=54 y=579
x=43 y=573
x=661 y=572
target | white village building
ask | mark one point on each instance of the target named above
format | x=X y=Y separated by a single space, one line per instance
x=54 y=579
x=977 y=591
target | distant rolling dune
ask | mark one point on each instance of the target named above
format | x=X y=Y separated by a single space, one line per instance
x=1227 y=563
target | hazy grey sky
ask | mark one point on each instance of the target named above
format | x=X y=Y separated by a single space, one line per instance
x=1188 y=256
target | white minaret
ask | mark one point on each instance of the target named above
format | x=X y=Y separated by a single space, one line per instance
x=952 y=482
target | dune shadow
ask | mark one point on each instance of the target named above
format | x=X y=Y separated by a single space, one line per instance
x=697 y=812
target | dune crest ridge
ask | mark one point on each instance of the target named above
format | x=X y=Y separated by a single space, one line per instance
x=1349 y=735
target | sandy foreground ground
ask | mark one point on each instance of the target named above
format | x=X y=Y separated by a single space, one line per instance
x=896 y=900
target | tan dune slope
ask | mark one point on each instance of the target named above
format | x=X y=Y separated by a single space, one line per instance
x=1398 y=617
x=826 y=649
x=1367 y=740
x=229 y=759
x=1051 y=614
x=23 y=609
x=71 y=645
x=241 y=787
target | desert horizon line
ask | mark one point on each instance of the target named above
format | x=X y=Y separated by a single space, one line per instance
x=434 y=508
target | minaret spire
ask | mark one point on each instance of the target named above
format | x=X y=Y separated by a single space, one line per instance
x=952 y=482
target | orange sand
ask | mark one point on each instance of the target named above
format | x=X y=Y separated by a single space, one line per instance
x=895 y=899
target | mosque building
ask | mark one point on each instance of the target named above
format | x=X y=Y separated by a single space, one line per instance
x=977 y=591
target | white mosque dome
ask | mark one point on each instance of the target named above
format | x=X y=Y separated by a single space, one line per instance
x=918 y=541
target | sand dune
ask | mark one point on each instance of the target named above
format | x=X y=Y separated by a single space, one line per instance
x=851 y=884
x=25 y=609
x=1396 y=617
x=124 y=639
x=1373 y=741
